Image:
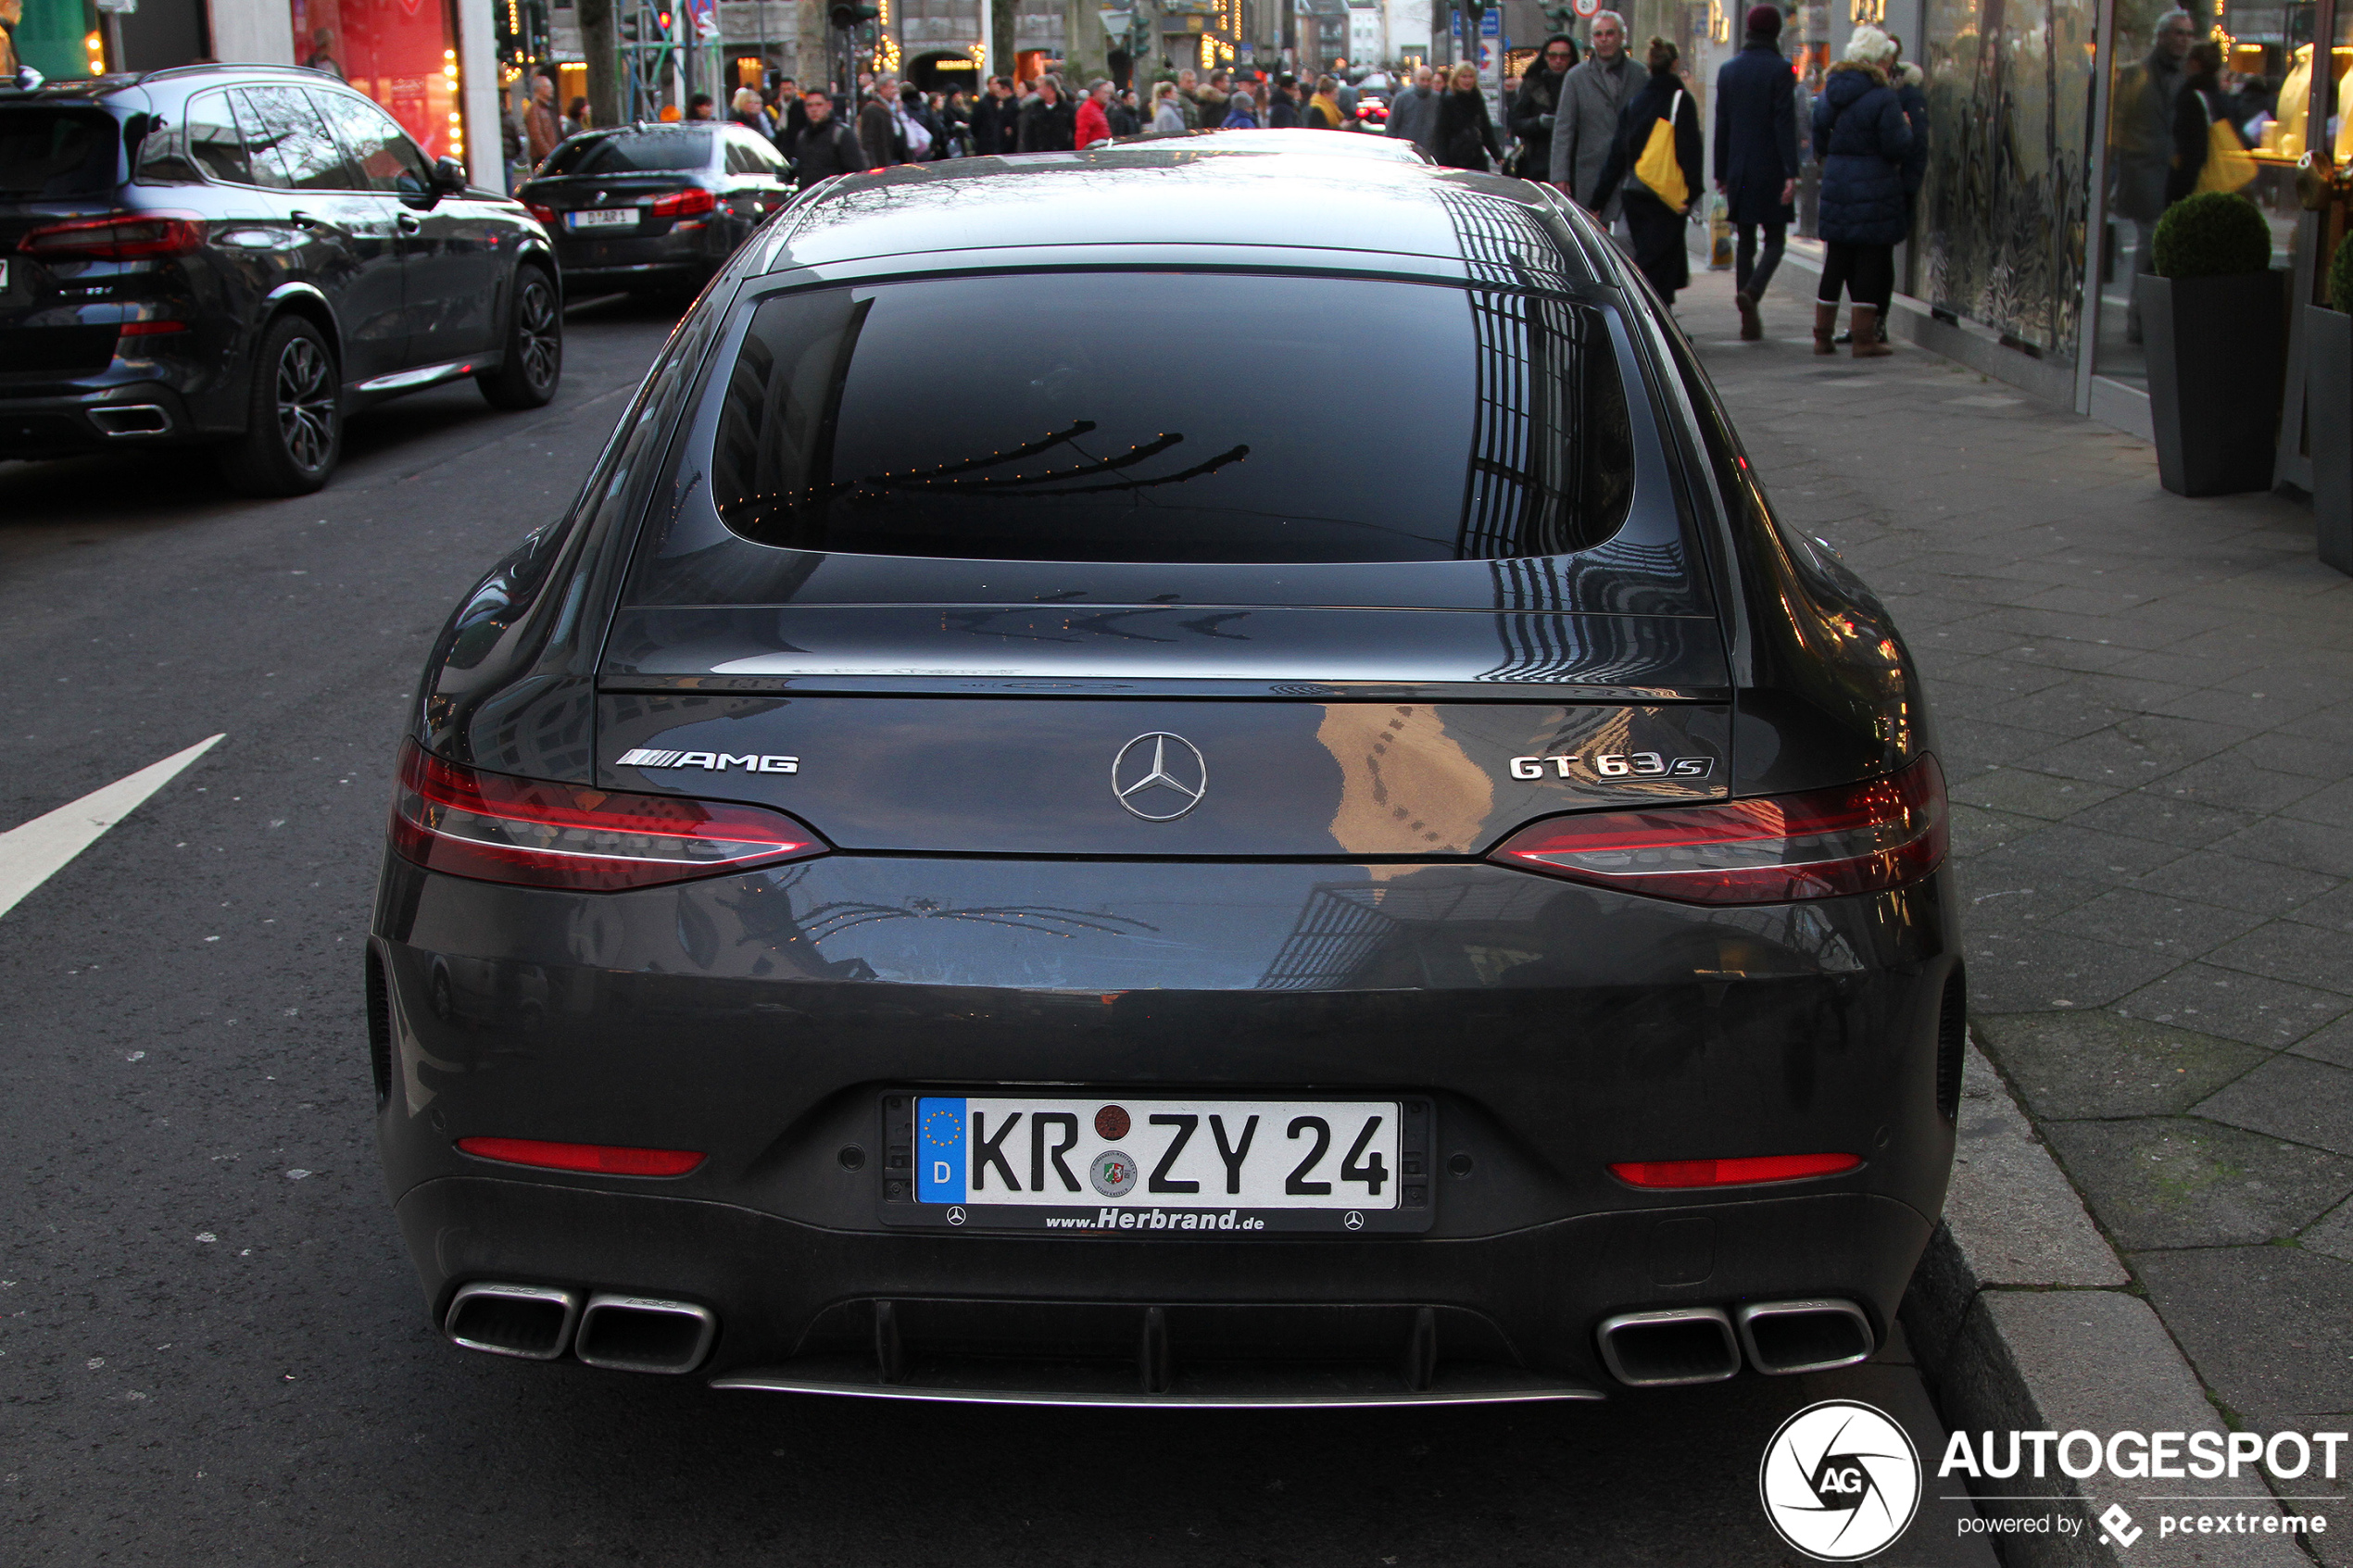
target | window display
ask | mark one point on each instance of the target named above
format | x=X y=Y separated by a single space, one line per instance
x=404 y=56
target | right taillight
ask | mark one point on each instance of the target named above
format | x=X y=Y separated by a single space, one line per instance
x=685 y=204
x=1867 y=838
x=495 y=827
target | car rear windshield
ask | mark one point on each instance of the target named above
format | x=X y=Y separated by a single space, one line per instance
x=50 y=153
x=634 y=152
x=1093 y=416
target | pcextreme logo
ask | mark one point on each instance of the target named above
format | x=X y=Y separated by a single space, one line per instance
x=1840 y=1481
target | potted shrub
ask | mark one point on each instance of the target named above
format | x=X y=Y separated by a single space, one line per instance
x=2328 y=410
x=2214 y=321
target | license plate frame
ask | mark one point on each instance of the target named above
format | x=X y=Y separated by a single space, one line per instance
x=599 y=218
x=1140 y=1214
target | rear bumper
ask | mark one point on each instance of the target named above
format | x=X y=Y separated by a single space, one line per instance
x=114 y=416
x=762 y=1019
x=998 y=1317
x=698 y=251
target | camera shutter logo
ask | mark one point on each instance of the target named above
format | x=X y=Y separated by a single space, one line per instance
x=1840 y=1481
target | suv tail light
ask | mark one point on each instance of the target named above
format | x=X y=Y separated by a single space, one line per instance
x=495 y=827
x=120 y=238
x=1881 y=833
x=685 y=202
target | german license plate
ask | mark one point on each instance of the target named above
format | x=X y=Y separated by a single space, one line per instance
x=604 y=218
x=1212 y=1168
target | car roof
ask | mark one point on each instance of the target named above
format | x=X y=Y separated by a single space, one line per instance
x=1396 y=149
x=96 y=89
x=1174 y=194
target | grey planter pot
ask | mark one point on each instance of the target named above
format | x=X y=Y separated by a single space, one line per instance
x=2328 y=419
x=2217 y=358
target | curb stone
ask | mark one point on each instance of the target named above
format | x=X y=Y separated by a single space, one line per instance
x=2018 y=1316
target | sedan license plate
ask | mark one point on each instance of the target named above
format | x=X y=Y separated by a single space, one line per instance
x=1208 y=1168
x=604 y=218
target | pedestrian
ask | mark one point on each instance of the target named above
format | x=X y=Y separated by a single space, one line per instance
x=698 y=107
x=1466 y=134
x=1343 y=93
x=540 y=127
x=1593 y=96
x=1126 y=120
x=926 y=138
x=1862 y=134
x=1241 y=112
x=1050 y=124
x=1168 y=116
x=1756 y=158
x=1323 y=109
x=1655 y=212
x=1283 y=113
x=878 y=134
x=1536 y=105
x=743 y=108
x=826 y=146
x=2143 y=144
x=996 y=119
x=1210 y=103
x=956 y=113
x=1189 y=99
x=575 y=117
x=1094 y=117
x=2202 y=106
x=1413 y=113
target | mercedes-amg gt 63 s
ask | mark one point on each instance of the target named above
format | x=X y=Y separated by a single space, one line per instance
x=1102 y=886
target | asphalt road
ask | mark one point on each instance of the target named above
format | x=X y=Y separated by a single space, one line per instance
x=211 y=1347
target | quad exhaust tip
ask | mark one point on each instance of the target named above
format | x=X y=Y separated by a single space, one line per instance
x=640 y=1334
x=1663 y=1350
x=531 y=1321
x=1782 y=1337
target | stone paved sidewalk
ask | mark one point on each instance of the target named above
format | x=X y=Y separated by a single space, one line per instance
x=2146 y=705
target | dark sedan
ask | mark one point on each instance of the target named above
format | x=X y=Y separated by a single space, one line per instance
x=650 y=207
x=240 y=257
x=1130 y=889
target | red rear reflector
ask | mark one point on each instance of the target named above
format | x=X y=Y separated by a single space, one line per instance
x=604 y=1160
x=118 y=239
x=1731 y=1172
x=685 y=202
x=152 y=328
x=498 y=828
x=1881 y=833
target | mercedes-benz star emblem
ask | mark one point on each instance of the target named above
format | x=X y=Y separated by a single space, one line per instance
x=1159 y=776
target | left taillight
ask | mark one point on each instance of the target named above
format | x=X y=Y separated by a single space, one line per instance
x=685 y=202
x=546 y=215
x=120 y=238
x=495 y=827
x=1868 y=837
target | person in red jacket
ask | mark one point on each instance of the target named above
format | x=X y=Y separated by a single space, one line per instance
x=1094 y=118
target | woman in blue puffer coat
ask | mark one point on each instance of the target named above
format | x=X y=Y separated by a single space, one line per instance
x=1861 y=134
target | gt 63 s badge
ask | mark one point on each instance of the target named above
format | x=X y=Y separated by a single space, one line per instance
x=1618 y=765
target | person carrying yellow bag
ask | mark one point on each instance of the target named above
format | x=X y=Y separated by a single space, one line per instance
x=1656 y=159
x=2208 y=154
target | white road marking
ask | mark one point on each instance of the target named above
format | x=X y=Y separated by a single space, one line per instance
x=32 y=853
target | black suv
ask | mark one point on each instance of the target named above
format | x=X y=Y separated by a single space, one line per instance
x=241 y=255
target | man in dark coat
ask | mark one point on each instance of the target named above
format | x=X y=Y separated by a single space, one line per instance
x=1050 y=124
x=1532 y=111
x=826 y=147
x=1757 y=156
x=878 y=134
x=995 y=118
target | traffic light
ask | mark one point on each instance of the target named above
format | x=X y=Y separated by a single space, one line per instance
x=847 y=14
x=629 y=27
x=662 y=20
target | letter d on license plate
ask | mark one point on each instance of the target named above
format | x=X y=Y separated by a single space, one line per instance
x=1111 y=1162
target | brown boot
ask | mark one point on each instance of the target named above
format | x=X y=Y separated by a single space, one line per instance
x=1825 y=323
x=1752 y=325
x=1869 y=345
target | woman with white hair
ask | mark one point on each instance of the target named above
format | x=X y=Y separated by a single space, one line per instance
x=1861 y=134
x=1167 y=114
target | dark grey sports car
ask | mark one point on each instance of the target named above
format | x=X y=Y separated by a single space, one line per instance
x=1076 y=882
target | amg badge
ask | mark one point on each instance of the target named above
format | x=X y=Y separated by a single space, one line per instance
x=717 y=761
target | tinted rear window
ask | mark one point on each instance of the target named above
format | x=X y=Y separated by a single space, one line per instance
x=633 y=152
x=886 y=419
x=46 y=154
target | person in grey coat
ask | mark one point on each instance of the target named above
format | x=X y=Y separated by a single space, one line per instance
x=2146 y=98
x=1592 y=96
x=1413 y=114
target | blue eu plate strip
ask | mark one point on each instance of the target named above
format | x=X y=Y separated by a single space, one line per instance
x=939 y=1150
